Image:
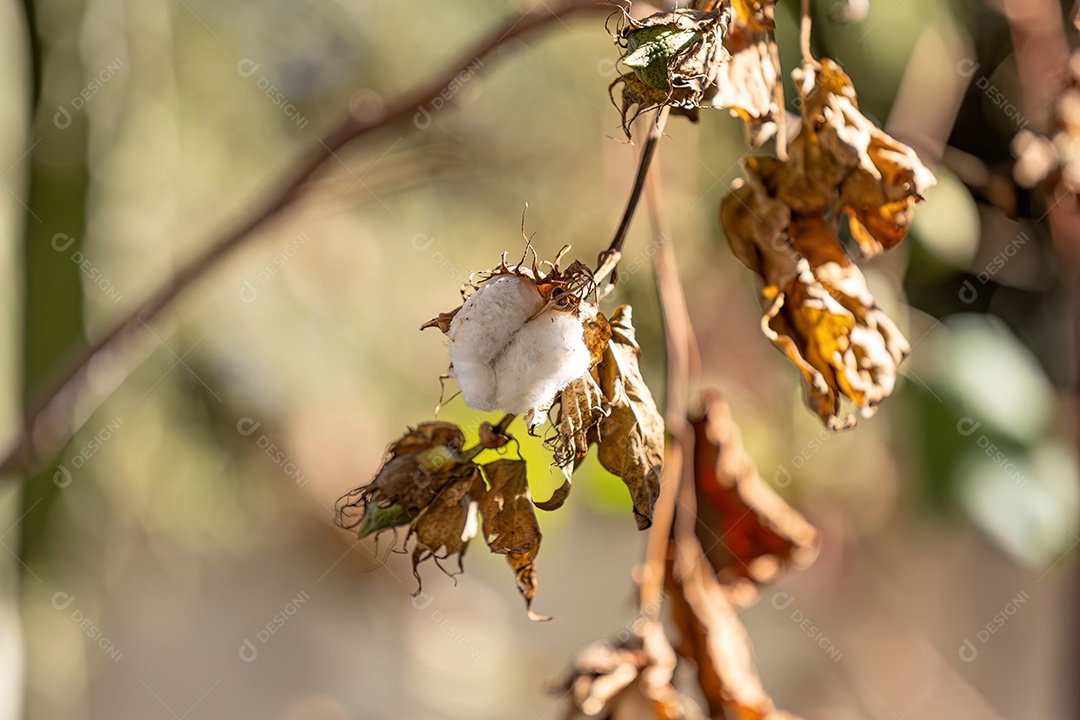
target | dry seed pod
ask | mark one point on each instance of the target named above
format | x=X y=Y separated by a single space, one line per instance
x=415 y=469
x=674 y=58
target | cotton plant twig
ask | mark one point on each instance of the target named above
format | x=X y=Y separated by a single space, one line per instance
x=609 y=259
x=681 y=350
x=48 y=426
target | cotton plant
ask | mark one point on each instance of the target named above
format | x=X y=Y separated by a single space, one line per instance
x=539 y=341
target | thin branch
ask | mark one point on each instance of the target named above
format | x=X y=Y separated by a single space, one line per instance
x=610 y=257
x=48 y=425
x=678 y=339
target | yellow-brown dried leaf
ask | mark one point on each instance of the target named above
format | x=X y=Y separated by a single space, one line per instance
x=510 y=524
x=630 y=440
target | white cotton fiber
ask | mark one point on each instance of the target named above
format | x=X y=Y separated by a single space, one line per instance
x=502 y=362
x=488 y=320
x=546 y=354
x=477 y=383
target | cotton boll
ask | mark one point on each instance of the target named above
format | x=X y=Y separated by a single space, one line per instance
x=477 y=383
x=489 y=318
x=544 y=356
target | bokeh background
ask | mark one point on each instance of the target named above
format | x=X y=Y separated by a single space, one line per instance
x=179 y=558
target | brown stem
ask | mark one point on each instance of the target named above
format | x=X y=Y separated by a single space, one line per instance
x=48 y=426
x=610 y=257
x=681 y=347
x=504 y=423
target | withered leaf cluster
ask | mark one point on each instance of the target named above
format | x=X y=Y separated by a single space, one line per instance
x=628 y=679
x=741 y=534
x=689 y=59
x=1054 y=158
x=608 y=406
x=430 y=484
x=781 y=223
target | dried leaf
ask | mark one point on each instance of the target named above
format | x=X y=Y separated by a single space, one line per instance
x=510 y=524
x=597 y=331
x=713 y=637
x=625 y=681
x=631 y=438
x=756 y=228
x=747 y=529
x=557 y=499
x=581 y=406
x=831 y=328
x=448 y=523
x=426 y=436
x=746 y=83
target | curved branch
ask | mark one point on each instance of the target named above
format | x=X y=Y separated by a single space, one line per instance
x=609 y=259
x=47 y=425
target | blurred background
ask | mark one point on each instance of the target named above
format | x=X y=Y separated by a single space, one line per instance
x=178 y=559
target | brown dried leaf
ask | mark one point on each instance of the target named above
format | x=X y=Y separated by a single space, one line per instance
x=624 y=681
x=746 y=84
x=712 y=635
x=756 y=228
x=636 y=94
x=631 y=438
x=749 y=531
x=830 y=327
x=558 y=498
x=510 y=524
x=597 y=331
x=581 y=406
x=449 y=522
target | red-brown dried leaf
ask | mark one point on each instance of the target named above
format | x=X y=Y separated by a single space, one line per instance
x=747 y=529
